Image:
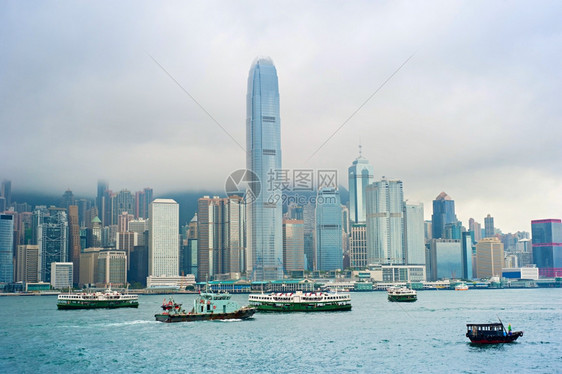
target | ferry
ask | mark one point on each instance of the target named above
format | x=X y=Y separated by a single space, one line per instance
x=402 y=294
x=301 y=302
x=491 y=333
x=461 y=287
x=206 y=306
x=92 y=300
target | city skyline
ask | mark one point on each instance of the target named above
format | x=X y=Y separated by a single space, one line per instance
x=473 y=113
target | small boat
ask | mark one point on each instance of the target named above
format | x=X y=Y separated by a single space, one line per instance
x=491 y=333
x=401 y=294
x=206 y=306
x=92 y=300
x=461 y=287
x=301 y=302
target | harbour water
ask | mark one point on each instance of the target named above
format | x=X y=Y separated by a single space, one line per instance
x=376 y=336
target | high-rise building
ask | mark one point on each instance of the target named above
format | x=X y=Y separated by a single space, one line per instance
x=329 y=254
x=489 y=258
x=89 y=266
x=476 y=230
x=547 y=246
x=263 y=157
x=443 y=214
x=163 y=245
x=489 y=229
x=385 y=222
x=6 y=192
x=142 y=201
x=139 y=226
x=445 y=259
x=126 y=241
x=414 y=232
x=112 y=268
x=61 y=275
x=27 y=264
x=360 y=175
x=52 y=238
x=358 y=246
x=6 y=248
x=293 y=245
x=103 y=203
x=74 y=241
x=124 y=201
x=467 y=251
x=309 y=217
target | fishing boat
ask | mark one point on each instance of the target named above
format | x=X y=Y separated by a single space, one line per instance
x=206 y=306
x=491 y=333
x=301 y=302
x=461 y=287
x=92 y=300
x=401 y=294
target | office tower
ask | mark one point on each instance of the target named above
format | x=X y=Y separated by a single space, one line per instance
x=109 y=236
x=443 y=213
x=414 y=230
x=309 y=217
x=360 y=175
x=67 y=199
x=489 y=258
x=163 y=244
x=428 y=231
x=445 y=259
x=293 y=246
x=6 y=192
x=74 y=241
x=489 y=229
x=358 y=246
x=466 y=242
x=88 y=266
x=126 y=241
x=3 y=206
x=192 y=245
x=345 y=222
x=52 y=239
x=6 y=248
x=263 y=147
x=84 y=205
x=61 y=275
x=94 y=233
x=547 y=246
x=123 y=221
x=142 y=201
x=329 y=253
x=27 y=264
x=112 y=268
x=385 y=222
x=295 y=211
x=139 y=226
x=103 y=203
x=476 y=229
x=138 y=265
x=123 y=201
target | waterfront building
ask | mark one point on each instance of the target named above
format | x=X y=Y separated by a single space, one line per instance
x=263 y=147
x=385 y=222
x=111 y=269
x=74 y=241
x=61 y=275
x=358 y=246
x=360 y=175
x=443 y=213
x=524 y=272
x=52 y=238
x=547 y=246
x=329 y=254
x=176 y=282
x=414 y=230
x=394 y=273
x=489 y=258
x=445 y=259
x=6 y=248
x=28 y=268
x=489 y=229
x=293 y=245
x=88 y=266
x=163 y=245
x=138 y=271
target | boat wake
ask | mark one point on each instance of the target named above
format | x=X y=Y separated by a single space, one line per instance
x=127 y=323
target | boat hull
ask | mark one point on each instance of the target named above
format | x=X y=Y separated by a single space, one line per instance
x=105 y=304
x=302 y=307
x=243 y=313
x=495 y=339
x=402 y=298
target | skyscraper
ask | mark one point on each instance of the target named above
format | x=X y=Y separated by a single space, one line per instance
x=6 y=248
x=293 y=245
x=414 y=230
x=329 y=254
x=6 y=192
x=52 y=239
x=476 y=229
x=263 y=157
x=360 y=175
x=547 y=246
x=385 y=222
x=489 y=258
x=163 y=246
x=489 y=229
x=358 y=246
x=443 y=214
x=74 y=241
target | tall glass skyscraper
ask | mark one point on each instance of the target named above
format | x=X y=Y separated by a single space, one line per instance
x=360 y=175
x=547 y=246
x=443 y=214
x=263 y=157
x=6 y=248
x=163 y=244
x=329 y=254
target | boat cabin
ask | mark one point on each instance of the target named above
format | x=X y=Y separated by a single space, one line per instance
x=485 y=329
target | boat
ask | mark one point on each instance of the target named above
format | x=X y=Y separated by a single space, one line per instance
x=206 y=306
x=401 y=294
x=491 y=333
x=461 y=287
x=300 y=302
x=92 y=300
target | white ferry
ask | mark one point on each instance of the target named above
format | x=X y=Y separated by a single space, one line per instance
x=300 y=302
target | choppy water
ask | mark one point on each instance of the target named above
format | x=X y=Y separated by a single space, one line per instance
x=376 y=336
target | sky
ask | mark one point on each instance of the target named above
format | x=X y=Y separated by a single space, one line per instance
x=474 y=112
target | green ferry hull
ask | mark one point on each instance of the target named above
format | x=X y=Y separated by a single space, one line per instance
x=402 y=299
x=98 y=305
x=302 y=307
x=243 y=313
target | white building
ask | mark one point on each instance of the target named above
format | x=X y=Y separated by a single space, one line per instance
x=163 y=238
x=61 y=275
x=177 y=282
x=527 y=272
x=415 y=236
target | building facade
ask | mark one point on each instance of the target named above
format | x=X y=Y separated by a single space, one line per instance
x=61 y=275
x=547 y=246
x=358 y=246
x=293 y=245
x=414 y=232
x=329 y=253
x=6 y=248
x=443 y=214
x=112 y=268
x=445 y=259
x=163 y=246
x=360 y=175
x=489 y=258
x=489 y=229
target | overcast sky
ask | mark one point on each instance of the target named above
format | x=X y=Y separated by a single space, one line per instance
x=476 y=112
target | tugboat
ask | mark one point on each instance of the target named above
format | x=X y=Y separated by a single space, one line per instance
x=207 y=306
x=301 y=302
x=401 y=294
x=491 y=333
